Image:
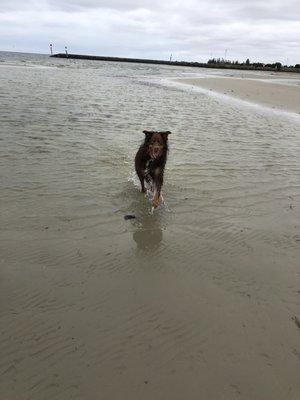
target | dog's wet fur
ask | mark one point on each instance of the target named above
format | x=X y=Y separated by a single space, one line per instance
x=150 y=161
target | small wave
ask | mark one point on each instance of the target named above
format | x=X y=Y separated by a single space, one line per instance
x=133 y=178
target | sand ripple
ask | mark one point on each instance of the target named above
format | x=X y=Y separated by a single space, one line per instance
x=195 y=301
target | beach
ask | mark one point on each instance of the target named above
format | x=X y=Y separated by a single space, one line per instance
x=275 y=92
x=198 y=300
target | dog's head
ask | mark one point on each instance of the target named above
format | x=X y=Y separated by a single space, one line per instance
x=156 y=142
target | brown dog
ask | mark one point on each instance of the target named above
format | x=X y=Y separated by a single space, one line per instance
x=150 y=161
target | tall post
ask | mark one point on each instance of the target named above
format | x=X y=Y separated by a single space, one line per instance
x=66 y=50
x=51 y=51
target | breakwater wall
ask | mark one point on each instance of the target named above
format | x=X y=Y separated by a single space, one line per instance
x=173 y=63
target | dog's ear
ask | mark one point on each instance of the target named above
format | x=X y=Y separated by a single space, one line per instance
x=165 y=134
x=148 y=133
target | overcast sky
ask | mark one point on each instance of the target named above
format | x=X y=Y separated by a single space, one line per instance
x=265 y=31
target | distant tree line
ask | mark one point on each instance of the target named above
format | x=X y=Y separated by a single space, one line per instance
x=247 y=63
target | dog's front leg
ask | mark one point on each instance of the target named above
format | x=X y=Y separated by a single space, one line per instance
x=141 y=175
x=158 y=182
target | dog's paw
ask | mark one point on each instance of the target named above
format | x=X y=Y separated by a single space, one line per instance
x=155 y=202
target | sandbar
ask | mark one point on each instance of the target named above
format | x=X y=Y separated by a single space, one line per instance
x=277 y=95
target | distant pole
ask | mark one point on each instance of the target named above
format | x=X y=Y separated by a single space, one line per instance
x=51 y=51
x=66 y=50
x=171 y=57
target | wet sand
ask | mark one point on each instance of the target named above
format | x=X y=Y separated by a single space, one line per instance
x=277 y=95
x=199 y=300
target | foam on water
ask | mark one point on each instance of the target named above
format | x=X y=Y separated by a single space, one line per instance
x=133 y=178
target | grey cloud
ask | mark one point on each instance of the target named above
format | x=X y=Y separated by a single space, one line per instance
x=261 y=11
x=192 y=29
x=194 y=10
x=77 y=5
x=74 y=5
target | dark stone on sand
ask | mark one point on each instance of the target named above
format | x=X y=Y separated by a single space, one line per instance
x=129 y=216
x=297 y=321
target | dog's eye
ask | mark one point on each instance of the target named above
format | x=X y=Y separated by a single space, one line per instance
x=157 y=141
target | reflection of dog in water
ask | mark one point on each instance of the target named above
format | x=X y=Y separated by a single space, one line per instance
x=149 y=234
x=150 y=161
x=148 y=240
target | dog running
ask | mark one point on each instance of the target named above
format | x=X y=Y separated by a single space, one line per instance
x=150 y=161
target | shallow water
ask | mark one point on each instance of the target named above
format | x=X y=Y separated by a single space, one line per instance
x=195 y=300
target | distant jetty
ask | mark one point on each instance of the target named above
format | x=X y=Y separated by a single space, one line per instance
x=177 y=63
